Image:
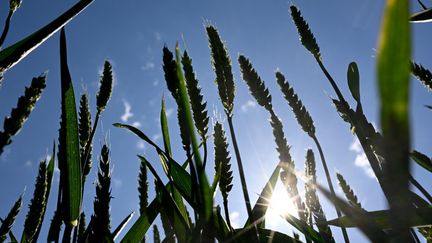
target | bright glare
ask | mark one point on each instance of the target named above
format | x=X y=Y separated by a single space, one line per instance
x=280 y=203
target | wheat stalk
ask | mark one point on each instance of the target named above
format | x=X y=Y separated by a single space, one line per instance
x=143 y=187
x=301 y=114
x=101 y=217
x=37 y=205
x=422 y=74
x=10 y=219
x=349 y=193
x=21 y=112
x=198 y=104
x=85 y=128
x=312 y=201
x=255 y=84
x=223 y=166
x=156 y=235
x=306 y=36
x=222 y=66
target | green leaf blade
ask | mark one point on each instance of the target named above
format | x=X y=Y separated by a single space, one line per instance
x=69 y=154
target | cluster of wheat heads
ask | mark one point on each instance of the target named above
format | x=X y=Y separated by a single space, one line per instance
x=408 y=211
x=186 y=202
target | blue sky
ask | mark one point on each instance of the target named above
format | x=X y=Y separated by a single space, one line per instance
x=131 y=35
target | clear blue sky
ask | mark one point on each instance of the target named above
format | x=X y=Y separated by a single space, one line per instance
x=132 y=33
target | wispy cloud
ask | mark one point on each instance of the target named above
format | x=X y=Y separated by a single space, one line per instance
x=28 y=163
x=156 y=137
x=117 y=182
x=361 y=159
x=158 y=36
x=248 y=105
x=235 y=219
x=136 y=124
x=127 y=111
x=169 y=112
x=140 y=145
x=147 y=66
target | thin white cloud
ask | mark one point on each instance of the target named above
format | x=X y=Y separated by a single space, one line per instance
x=158 y=36
x=169 y=112
x=117 y=183
x=156 y=137
x=28 y=163
x=136 y=124
x=361 y=159
x=127 y=112
x=235 y=219
x=155 y=82
x=248 y=105
x=140 y=145
x=148 y=66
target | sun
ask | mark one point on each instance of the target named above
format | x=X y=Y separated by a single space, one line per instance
x=280 y=203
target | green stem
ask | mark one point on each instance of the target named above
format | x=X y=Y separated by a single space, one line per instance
x=330 y=184
x=227 y=218
x=6 y=28
x=240 y=167
x=242 y=175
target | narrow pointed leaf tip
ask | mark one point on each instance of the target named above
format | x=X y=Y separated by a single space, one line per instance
x=306 y=36
x=105 y=89
x=353 y=77
x=222 y=67
x=69 y=155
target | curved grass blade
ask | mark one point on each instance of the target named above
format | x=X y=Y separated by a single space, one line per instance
x=422 y=159
x=382 y=218
x=364 y=223
x=169 y=207
x=69 y=154
x=10 y=219
x=262 y=203
x=140 y=227
x=303 y=227
x=422 y=16
x=265 y=236
x=204 y=192
x=15 y=53
x=34 y=216
x=393 y=82
x=122 y=225
x=164 y=127
x=26 y=103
